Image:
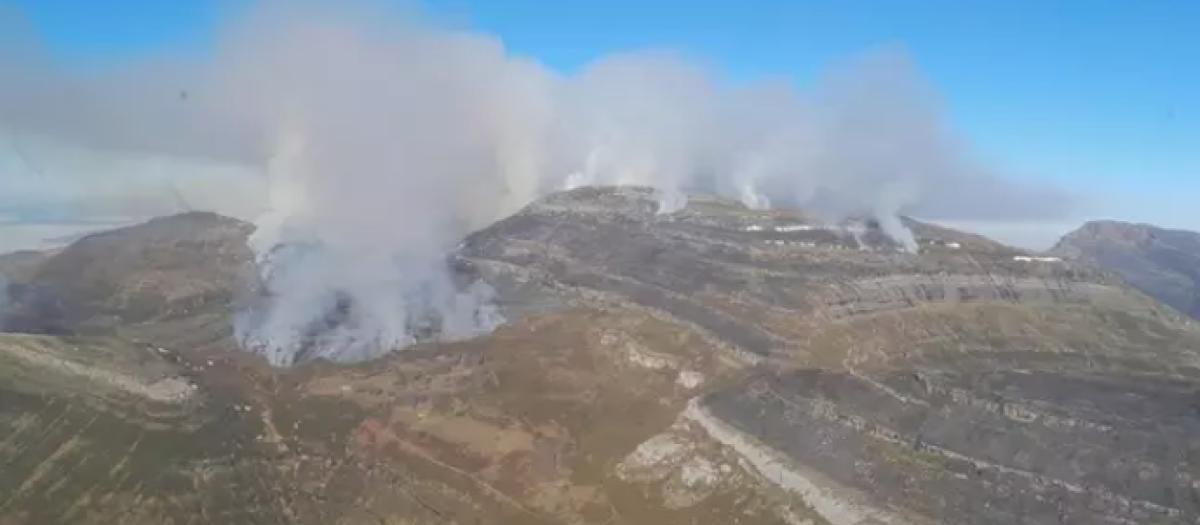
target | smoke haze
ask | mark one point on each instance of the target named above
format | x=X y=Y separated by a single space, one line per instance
x=365 y=143
x=3 y=298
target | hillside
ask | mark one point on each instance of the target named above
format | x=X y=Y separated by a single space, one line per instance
x=1161 y=262
x=718 y=365
x=19 y=266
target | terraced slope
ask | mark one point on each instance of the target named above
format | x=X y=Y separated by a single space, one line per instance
x=1042 y=423
x=732 y=274
x=1006 y=331
x=719 y=365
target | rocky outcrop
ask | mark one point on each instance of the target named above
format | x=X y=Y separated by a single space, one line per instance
x=866 y=296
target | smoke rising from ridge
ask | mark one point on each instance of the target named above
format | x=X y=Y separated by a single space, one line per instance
x=383 y=140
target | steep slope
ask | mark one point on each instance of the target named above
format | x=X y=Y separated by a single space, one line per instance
x=717 y=365
x=1163 y=263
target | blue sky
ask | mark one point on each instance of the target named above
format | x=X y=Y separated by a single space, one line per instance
x=1099 y=94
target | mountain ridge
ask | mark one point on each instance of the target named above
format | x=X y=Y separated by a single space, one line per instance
x=1164 y=263
x=714 y=365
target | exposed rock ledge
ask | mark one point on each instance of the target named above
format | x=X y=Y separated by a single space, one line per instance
x=866 y=296
x=835 y=504
x=171 y=389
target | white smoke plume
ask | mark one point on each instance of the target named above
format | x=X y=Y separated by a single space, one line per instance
x=383 y=140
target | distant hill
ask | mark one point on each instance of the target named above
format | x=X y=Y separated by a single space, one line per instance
x=171 y=268
x=1162 y=263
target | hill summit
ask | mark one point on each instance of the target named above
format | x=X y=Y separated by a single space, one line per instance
x=1163 y=263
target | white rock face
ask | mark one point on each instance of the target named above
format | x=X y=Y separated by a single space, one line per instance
x=654 y=459
x=169 y=389
x=694 y=481
x=690 y=474
x=645 y=359
x=637 y=353
x=698 y=472
x=689 y=379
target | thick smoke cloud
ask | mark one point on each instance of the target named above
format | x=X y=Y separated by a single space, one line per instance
x=376 y=141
